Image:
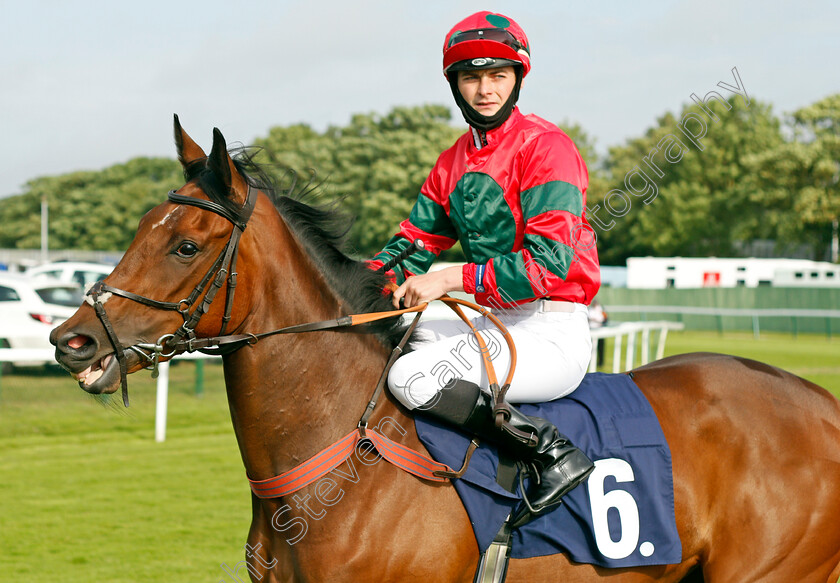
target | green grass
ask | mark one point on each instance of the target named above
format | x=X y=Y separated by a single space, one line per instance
x=86 y=494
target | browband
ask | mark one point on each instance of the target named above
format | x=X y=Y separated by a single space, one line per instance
x=214 y=207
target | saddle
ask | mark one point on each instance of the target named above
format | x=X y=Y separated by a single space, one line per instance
x=623 y=516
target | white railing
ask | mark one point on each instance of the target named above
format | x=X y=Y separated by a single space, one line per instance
x=630 y=331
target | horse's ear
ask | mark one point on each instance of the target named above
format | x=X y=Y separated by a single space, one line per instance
x=221 y=164
x=188 y=150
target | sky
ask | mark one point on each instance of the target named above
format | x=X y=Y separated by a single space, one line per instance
x=88 y=84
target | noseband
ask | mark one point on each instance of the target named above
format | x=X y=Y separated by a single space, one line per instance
x=224 y=268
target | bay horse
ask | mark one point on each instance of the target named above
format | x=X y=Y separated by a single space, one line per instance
x=756 y=450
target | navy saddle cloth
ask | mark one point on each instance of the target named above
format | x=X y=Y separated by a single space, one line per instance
x=622 y=517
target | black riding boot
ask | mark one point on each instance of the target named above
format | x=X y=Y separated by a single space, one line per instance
x=560 y=465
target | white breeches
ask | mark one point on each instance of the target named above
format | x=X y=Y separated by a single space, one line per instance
x=553 y=350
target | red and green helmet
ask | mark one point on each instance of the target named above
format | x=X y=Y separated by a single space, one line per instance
x=486 y=40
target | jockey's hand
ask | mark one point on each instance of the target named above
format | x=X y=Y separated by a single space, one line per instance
x=429 y=286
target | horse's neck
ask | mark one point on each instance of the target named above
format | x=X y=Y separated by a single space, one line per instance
x=290 y=400
x=292 y=395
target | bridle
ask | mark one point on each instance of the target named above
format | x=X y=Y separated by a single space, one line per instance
x=224 y=268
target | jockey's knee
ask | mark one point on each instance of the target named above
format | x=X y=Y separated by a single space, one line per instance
x=410 y=385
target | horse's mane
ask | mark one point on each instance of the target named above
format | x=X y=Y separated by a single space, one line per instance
x=322 y=230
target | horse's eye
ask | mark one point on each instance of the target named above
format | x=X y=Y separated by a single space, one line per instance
x=187 y=249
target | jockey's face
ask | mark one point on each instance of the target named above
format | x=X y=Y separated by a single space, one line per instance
x=486 y=90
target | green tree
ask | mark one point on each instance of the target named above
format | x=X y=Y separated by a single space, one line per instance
x=799 y=179
x=684 y=188
x=88 y=210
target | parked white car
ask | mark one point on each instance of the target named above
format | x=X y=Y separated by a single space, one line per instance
x=82 y=273
x=30 y=308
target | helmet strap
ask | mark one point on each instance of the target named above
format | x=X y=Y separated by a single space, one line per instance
x=483 y=122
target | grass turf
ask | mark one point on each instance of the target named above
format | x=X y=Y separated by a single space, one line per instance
x=86 y=494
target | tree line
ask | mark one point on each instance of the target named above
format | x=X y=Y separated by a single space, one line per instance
x=705 y=181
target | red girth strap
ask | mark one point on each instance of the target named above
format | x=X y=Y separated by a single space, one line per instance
x=333 y=456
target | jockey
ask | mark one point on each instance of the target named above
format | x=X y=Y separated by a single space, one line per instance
x=512 y=191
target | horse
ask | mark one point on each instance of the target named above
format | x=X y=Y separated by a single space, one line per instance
x=756 y=450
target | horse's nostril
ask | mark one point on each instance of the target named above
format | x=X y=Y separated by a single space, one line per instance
x=78 y=341
x=78 y=345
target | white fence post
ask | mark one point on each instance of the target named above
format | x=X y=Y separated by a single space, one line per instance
x=660 y=346
x=617 y=352
x=161 y=401
x=630 y=354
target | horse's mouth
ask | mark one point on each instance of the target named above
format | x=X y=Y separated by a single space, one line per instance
x=101 y=376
